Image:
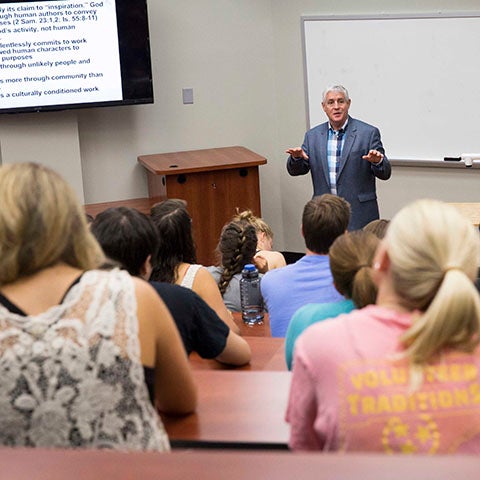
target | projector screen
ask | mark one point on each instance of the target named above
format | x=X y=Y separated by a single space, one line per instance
x=60 y=54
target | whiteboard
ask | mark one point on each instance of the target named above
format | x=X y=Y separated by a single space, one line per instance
x=417 y=78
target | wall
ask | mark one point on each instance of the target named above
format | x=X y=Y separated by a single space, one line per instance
x=224 y=51
x=51 y=139
x=244 y=61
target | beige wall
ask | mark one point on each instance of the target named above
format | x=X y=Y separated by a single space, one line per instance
x=244 y=61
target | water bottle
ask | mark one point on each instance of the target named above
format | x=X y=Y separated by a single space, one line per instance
x=251 y=296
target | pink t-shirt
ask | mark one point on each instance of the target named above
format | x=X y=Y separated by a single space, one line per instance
x=349 y=393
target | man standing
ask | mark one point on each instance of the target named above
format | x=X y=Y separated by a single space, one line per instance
x=343 y=155
x=309 y=280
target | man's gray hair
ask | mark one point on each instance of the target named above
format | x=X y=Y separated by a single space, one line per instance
x=335 y=88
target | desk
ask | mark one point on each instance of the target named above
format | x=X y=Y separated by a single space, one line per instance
x=268 y=353
x=256 y=330
x=141 y=204
x=235 y=409
x=44 y=464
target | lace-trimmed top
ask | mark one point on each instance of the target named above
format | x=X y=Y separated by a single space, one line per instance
x=189 y=277
x=72 y=376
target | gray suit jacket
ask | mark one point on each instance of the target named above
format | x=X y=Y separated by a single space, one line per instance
x=356 y=176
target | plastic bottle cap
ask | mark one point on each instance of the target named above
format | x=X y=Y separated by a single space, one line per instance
x=250 y=267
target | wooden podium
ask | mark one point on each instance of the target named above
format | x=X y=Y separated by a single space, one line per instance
x=214 y=182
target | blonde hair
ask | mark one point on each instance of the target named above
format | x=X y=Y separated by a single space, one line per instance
x=434 y=254
x=41 y=223
x=351 y=256
x=261 y=226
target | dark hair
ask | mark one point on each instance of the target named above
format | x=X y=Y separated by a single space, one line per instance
x=237 y=247
x=126 y=236
x=325 y=217
x=377 y=227
x=351 y=256
x=174 y=239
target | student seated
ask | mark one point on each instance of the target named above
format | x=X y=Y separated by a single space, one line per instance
x=264 y=250
x=378 y=227
x=309 y=280
x=129 y=237
x=74 y=338
x=351 y=259
x=402 y=375
x=175 y=257
x=236 y=248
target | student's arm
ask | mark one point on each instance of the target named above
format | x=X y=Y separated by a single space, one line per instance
x=274 y=259
x=236 y=352
x=206 y=287
x=162 y=348
x=261 y=262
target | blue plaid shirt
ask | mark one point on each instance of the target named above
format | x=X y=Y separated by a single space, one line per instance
x=335 y=143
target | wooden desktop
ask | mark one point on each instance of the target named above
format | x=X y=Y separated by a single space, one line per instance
x=58 y=464
x=268 y=353
x=236 y=409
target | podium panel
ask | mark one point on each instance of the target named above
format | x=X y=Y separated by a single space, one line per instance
x=213 y=182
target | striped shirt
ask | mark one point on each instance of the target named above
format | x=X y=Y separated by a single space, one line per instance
x=335 y=143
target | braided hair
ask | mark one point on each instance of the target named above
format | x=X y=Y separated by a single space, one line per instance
x=237 y=246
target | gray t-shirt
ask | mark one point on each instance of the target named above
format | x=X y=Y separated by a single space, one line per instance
x=231 y=297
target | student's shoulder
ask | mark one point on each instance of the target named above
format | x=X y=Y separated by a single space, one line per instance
x=336 y=328
x=278 y=274
x=323 y=310
x=165 y=289
x=274 y=258
x=214 y=271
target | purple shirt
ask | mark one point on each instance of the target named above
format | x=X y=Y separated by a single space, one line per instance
x=286 y=289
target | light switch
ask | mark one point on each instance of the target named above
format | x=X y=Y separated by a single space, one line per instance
x=187 y=94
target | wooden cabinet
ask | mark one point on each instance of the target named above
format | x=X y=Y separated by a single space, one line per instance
x=214 y=182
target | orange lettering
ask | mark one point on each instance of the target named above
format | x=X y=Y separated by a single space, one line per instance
x=470 y=372
x=383 y=404
x=442 y=373
x=399 y=403
x=433 y=400
x=353 y=402
x=429 y=374
x=368 y=405
x=475 y=392
x=445 y=399
x=422 y=399
x=371 y=379
x=357 y=381
x=385 y=380
x=399 y=376
x=455 y=375
x=461 y=398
